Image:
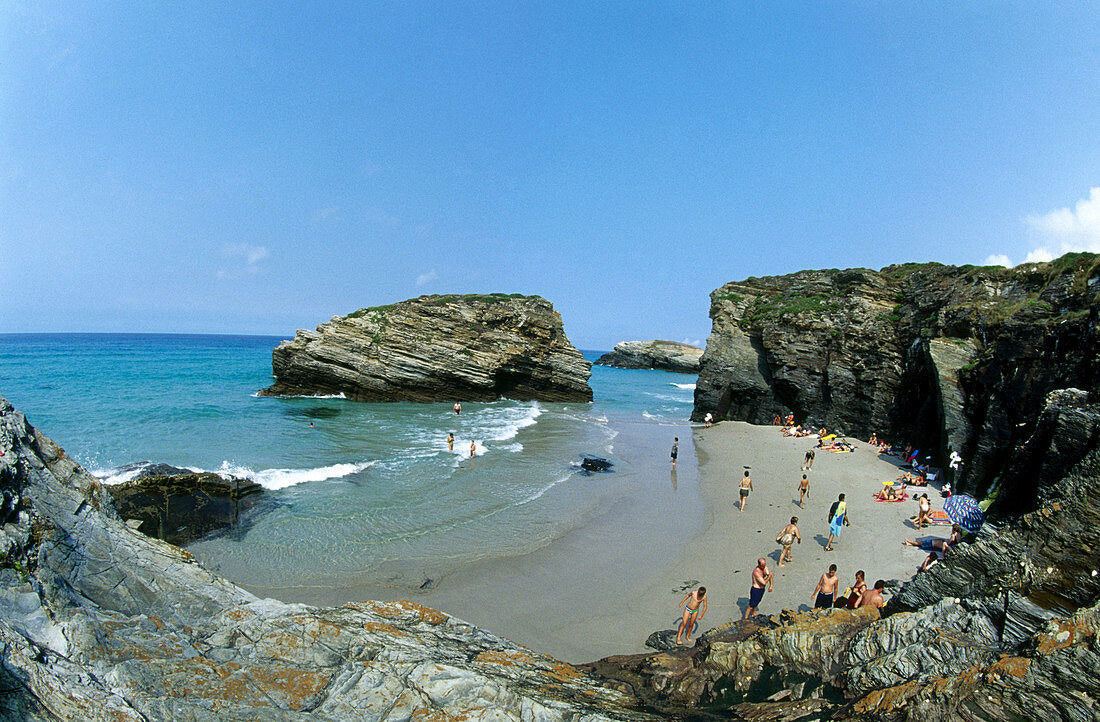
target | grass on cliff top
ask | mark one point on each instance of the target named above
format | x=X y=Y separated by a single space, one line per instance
x=440 y=301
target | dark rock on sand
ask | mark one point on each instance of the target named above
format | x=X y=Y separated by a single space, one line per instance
x=437 y=348
x=945 y=357
x=663 y=355
x=183 y=507
x=100 y=622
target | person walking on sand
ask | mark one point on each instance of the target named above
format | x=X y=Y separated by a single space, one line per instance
x=809 y=462
x=838 y=517
x=746 y=487
x=761 y=576
x=694 y=603
x=450 y=441
x=825 y=591
x=675 y=449
x=873 y=597
x=786 y=538
x=803 y=491
x=457 y=408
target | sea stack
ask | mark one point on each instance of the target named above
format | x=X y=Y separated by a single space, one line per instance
x=437 y=348
x=663 y=355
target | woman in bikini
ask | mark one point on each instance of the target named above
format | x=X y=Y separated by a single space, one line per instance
x=924 y=513
x=696 y=604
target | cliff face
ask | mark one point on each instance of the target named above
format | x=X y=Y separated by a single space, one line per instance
x=949 y=358
x=99 y=622
x=665 y=355
x=437 y=348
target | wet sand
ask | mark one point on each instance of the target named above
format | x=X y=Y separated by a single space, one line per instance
x=610 y=582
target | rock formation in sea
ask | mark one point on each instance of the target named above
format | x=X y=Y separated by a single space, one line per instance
x=665 y=355
x=437 y=348
x=100 y=622
x=183 y=506
x=948 y=358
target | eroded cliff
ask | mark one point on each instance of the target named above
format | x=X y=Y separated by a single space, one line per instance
x=948 y=358
x=663 y=355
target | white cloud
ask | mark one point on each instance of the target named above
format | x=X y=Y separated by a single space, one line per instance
x=244 y=253
x=1061 y=231
x=425 y=278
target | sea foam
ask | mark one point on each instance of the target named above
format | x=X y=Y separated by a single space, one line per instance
x=282 y=478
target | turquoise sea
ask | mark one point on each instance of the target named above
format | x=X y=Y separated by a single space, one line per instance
x=370 y=494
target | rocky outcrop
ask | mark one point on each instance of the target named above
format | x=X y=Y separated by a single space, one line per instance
x=664 y=355
x=437 y=348
x=100 y=622
x=948 y=358
x=180 y=508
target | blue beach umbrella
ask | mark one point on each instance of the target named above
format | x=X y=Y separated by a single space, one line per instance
x=964 y=511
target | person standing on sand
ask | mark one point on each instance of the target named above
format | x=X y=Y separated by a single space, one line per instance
x=809 y=462
x=451 y=441
x=457 y=408
x=746 y=487
x=675 y=448
x=838 y=517
x=708 y=420
x=825 y=591
x=873 y=597
x=694 y=603
x=761 y=576
x=803 y=491
x=786 y=538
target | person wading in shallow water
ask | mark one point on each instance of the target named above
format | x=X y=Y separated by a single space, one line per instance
x=457 y=408
x=473 y=449
x=450 y=442
x=696 y=603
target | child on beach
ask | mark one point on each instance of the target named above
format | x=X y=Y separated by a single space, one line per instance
x=675 y=449
x=694 y=603
x=825 y=590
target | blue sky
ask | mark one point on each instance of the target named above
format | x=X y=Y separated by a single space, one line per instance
x=261 y=167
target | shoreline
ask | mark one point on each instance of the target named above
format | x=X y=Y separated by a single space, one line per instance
x=608 y=583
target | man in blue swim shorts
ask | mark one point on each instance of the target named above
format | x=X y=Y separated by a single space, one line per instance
x=761 y=576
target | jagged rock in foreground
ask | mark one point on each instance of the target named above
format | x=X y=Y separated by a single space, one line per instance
x=180 y=508
x=949 y=358
x=100 y=622
x=665 y=355
x=437 y=348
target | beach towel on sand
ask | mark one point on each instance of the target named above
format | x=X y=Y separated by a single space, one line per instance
x=939 y=518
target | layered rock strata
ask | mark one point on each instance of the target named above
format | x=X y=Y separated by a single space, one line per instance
x=437 y=348
x=100 y=622
x=664 y=355
x=948 y=358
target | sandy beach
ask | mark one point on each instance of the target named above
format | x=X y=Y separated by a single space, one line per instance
x=603 y=588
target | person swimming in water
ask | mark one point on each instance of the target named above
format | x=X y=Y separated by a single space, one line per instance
x=695 y=603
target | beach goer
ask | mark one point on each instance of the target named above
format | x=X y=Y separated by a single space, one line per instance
x=852 y=593
x=927 y=564
x=473 y=449
x=777 y=421
x=803 y=491
x=450 y=442
x=675 y=448
x=873 y=441
x=790 y=419
x=786 y=538
x=838 y=517
x=457 y=408
x=761 y=577
x=708 y=419
x=873 y=597
x=746 y=487
x=924 y=511
x=809 y=462
x=937 y=544
x=311 y=425
x=695 y=603
x=825 y=590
